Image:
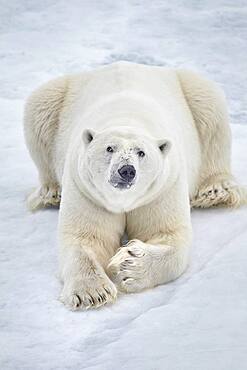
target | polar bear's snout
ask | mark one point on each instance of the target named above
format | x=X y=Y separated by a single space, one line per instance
x=127 y=173
x=123 y=177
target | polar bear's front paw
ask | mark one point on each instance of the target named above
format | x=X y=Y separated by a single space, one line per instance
x=131 y=267
x=83 y=294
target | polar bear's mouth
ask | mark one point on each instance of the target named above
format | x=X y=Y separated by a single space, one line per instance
x=121 y=185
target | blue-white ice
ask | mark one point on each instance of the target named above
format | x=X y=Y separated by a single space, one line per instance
x=199 y=322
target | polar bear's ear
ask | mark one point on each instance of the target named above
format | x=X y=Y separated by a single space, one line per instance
x=164 y=145
x=88 y=135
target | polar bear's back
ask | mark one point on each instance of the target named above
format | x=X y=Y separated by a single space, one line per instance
x=118 y=85
x=135 y=90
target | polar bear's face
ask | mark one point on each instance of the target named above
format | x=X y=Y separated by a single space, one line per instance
x=121 y=168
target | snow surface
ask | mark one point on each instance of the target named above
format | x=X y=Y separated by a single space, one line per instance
x=197 y=322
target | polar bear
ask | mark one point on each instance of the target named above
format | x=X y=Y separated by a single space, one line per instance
x=132 y=147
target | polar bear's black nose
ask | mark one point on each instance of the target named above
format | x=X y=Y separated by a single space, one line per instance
x=127 y=172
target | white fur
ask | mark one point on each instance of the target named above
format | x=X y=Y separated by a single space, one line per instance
x=70 y=122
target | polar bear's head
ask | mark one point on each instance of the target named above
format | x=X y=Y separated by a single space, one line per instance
x=121 y=168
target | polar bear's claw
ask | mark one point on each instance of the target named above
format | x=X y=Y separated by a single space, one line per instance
x=85 y=296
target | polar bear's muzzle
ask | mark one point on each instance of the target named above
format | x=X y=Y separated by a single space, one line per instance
x=124 y=177
x=127 y=173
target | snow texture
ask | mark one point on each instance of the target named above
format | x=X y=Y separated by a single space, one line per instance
x=198 y=322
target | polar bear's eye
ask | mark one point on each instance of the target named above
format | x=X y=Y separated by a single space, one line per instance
x=141 y=153
x=109 y=149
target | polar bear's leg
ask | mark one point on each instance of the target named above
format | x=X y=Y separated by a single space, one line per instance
x=140 y=265
x=208 y=107
x=86 y=284
x=41 y=120
x=158 y=251
x=88 y=237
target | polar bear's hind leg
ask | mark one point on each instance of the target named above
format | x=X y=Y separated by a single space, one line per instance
x=41 y=121
x=207 y=104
